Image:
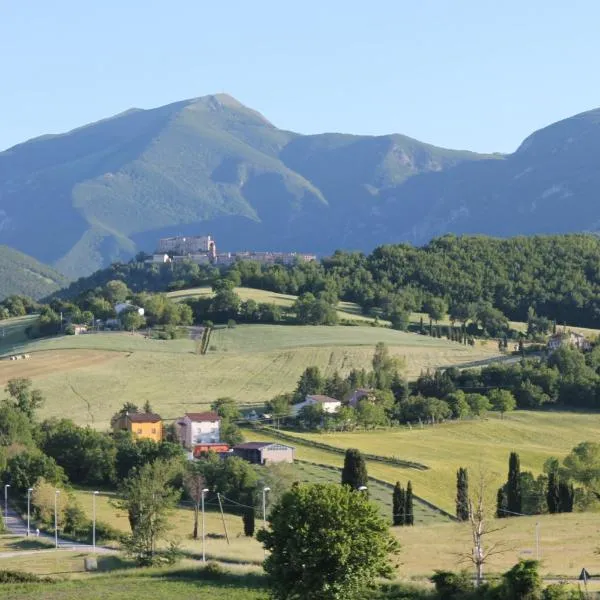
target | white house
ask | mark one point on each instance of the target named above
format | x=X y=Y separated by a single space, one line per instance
x=199 y=428
x=123 y=306
x=330 y=405
x=568 y=339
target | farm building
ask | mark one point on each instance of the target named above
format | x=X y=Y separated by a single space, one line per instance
x=264 y=453
x=141 y=425
x=568 y=339
x=330 y=405
x=199 y=428
x=357 y=395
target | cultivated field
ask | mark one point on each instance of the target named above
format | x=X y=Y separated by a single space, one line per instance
x=346 y=310
x=474 y=444
x=88 y=377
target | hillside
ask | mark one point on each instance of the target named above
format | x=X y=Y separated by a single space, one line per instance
x=212 y=165
x=23 y=275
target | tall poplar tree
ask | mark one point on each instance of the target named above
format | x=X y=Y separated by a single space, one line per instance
x=462 y=494
x=552 y=497
x=409 y=515
x=354 y=473
x=514 y=502
x=398 y=501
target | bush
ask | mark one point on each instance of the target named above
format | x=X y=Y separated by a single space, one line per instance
x=453 y=586
x=106 y=532
x=69 y=330
x=213 y=570
x=231 y=324
x=21 y=577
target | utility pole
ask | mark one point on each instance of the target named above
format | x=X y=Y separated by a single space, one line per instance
x=223 y=518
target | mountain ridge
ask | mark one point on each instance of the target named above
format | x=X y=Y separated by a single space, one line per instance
x=213 y=165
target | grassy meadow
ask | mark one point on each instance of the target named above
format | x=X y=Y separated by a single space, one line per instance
x=88 y=377
x=474 y=444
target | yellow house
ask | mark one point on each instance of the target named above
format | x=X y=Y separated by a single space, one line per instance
x=141 y=425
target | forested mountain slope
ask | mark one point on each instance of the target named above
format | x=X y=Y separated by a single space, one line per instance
x=100 y=193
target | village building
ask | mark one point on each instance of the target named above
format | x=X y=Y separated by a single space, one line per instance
x=199 y=428
x=216 y=447
x=568 y=339
x=142 y=425
x=330 y=405
x=357 y=395
x=264 y=453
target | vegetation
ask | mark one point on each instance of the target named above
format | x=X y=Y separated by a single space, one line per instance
x=325 y=541
x=354 y=473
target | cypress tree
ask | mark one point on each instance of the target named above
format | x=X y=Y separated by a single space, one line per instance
x=462 y=494
x=565 y=497
x=421 y=327
x=354 y=472
x=552 y=494
x=513 y=486
x=409 y=516
x=248 y=520
x=501 y=504
x=398 y=505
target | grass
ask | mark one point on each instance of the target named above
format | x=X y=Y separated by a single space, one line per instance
x=90 y=376
x=444 y=448
x=12 y=332
x=346 y=310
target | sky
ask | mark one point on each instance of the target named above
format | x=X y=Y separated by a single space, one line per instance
x=467 y=74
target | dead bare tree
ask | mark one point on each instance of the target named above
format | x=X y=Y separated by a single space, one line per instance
x=194 y=483
x=480 y=520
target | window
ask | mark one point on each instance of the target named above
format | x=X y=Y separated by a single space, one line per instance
x=139 y=430
x=154 y=430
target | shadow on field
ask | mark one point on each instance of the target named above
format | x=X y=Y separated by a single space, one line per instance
x=27 y=545
x=217 y=576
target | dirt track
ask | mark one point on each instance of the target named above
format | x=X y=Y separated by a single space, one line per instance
x=53 y=361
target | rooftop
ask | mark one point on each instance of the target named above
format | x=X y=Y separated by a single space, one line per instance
x=203 y=416
x=321 y=398
x=143 y=417
x=257 y=445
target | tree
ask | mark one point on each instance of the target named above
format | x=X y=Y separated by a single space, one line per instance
x=25 y=469
x=523 y=581
x=354 y=472
x=582 y=465
x=502 y=401
x=552 y=495
x=462 y=494
x=435 y=308
x=310 y=382
x=194 y=483
x=227 y=408
x=457 y=401
x=369 y=414
x=409 y=513
x=117 y=291
x=478 y=403
x=25 y=399
x=132 y=320
x=513 y=486
x=279 y=407
x=249 y=519
x=325 y=542
x=148 y=498
x=398 y=505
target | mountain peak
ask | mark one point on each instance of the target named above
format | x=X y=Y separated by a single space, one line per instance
x=223 y=101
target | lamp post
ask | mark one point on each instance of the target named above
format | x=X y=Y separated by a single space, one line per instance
x=537 y=541
x=6 y=503
x=204 y=491
x=56 y=493
x=28 y=509
x=94 y=494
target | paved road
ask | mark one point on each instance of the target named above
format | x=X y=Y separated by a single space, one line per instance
x=16 y=525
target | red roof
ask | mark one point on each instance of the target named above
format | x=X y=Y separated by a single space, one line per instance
x=203 y=416
x=143 y=417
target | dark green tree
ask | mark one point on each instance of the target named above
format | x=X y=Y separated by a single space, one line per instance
x=462 y=494
x=310 y=382
x=398 y=505
x=552 y=495
x=354 y=473
x=325 y=542
x=501 y=506
x=513 y=486
x=566 y=495
x=409 y=514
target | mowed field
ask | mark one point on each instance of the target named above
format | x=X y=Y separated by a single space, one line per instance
x=346 y=310
x=480 y=445
x=88 y=377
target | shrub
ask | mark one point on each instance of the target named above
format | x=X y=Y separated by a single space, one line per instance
x=212 y=570
x=452 y=586
x=21 y=577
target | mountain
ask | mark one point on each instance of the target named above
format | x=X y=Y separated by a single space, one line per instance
x=22 y=275
x=101 y=193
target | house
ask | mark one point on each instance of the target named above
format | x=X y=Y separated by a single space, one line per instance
x=216 y=447
x=357 y=395
x=568 y=339
x=142 y=425
x=264 y=453
x=127 y=306
x=330 y=405
x=199 y=428
x=79 y=329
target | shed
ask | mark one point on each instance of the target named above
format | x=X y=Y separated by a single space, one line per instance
x=263 y=453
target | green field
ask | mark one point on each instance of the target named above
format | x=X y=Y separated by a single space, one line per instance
x=348 y=311
x=12 y=333
x=88 y=377
x=471 y=443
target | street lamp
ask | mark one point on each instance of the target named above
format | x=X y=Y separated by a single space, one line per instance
x=94 y=494
x=28 y=508
x=56 y=493
x=6 y=503
x=204 y=491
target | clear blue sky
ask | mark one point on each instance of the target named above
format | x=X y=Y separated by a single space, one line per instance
x=474 y=74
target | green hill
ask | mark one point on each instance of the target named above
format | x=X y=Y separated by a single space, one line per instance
x=21 y=274
x=212 y=165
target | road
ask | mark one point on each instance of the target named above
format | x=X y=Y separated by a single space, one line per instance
x=17 y=526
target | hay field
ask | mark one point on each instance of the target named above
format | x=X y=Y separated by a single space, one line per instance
x=474 y=444
x=88 y=377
